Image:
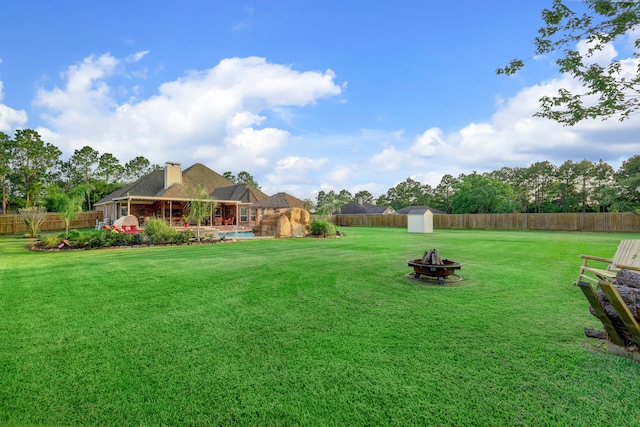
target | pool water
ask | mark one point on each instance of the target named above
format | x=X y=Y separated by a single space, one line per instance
x=236 y=234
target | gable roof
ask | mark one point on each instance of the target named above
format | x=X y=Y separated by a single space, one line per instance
x=354 y=208
x=280 y=201
x=200 y=174
x=152 y=185
x=408 y=209
x=241 y=192
x=148 y=186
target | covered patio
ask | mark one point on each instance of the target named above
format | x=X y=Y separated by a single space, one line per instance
x=223 y=213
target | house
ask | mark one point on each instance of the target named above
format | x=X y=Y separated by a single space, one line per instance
x=364 y=208
x=406 y=210
x=162 y=194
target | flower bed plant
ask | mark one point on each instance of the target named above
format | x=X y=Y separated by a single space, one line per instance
x=156 y=232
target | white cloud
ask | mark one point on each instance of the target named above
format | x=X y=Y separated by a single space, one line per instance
x=295 y=175
x=601 y=57
x=389 y=159
x=513 y=137
x=224 y=117
x=136 y=57
x=10 y=119
x=215 y=116
x=428 y=144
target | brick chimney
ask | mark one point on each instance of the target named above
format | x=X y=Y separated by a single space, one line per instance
x=172 y=174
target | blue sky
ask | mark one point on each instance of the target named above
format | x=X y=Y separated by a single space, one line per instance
x=305 y=96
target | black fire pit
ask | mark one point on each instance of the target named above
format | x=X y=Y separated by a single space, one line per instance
x=434 y=268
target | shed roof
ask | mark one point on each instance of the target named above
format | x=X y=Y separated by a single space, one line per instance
x=408 y=209
x=418 y=211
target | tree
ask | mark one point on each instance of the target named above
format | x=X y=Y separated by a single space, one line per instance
x=516 y=177
x=201 y=204
x=137 y=168
x=541 y=179
x=80 y=171
x=609 y=91
x=477 y=193
x=363 y=196
x=344 y=197
x=327 y=202
x=33 y=162
x=109 y=168
x=628 y=183
x=245 y=177
x=229 y=175
x=407 y=193
x=603 y=185
x=566 y=186
x=68 y=207
x=444 y=192
x=585 y=183
x=7 y=150
x=309 y=205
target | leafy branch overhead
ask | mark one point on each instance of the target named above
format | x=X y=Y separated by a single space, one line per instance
x=609 y=91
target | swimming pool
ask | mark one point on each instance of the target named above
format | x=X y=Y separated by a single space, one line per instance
x=236 y=234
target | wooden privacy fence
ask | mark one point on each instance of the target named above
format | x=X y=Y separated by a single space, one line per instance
x=622 y=221
x=13 y=224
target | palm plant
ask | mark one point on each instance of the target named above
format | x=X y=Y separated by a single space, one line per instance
x=201 y=204
x=33 y=218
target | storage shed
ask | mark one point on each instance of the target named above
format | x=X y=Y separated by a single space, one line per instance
x=420 y=221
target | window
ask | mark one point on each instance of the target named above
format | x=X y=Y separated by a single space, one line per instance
x=243 y=214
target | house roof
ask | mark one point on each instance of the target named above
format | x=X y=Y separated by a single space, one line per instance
x=200 y=174
x=354 y=208
x=152 y=185
x=241 y=192
x=380 y=209
x=147 y=186
x=408 y=209
x=280 y=201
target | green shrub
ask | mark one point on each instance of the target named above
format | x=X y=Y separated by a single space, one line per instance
x=180 y=238
x=83 y=238
x=121 y=239
x=322 y=228
x=49 y=240
x=106 y=238
x=157 y=231
x=73 y=235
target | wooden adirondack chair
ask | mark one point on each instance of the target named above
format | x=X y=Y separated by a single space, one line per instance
x=627 y=257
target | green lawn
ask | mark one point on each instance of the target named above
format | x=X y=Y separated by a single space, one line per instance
x=310 y=332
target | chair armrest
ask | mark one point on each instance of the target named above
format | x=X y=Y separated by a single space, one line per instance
x=627 y=267
x=596 y=258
